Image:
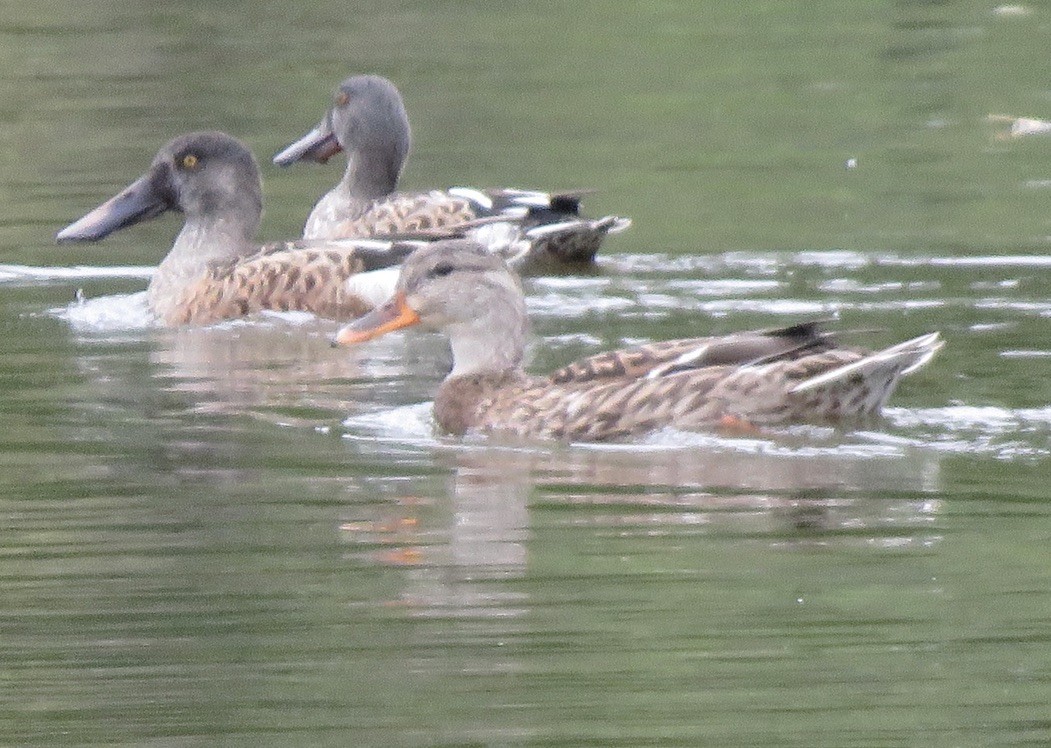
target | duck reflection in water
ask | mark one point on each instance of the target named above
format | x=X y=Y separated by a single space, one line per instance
x=462 y=539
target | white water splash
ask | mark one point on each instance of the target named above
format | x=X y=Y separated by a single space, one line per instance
x=131 y=312
x=411 y=424
x=107 y=314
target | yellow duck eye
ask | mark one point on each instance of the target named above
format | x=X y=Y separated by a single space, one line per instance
x=189 y=161
x=342 y=98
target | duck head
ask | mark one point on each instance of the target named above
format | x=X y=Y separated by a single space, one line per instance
x=205 y=175
x=461 y=289
x=368 y=121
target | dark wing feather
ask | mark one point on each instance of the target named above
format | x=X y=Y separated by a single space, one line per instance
x=697 y=353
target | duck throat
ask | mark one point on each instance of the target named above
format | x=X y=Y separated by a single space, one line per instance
x=371 y=173
x=201 y=242
x=491 y=344
x=368 y=178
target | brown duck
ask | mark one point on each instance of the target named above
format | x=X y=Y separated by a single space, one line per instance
x=787 y=375
x=214 y=269
x=367 y=120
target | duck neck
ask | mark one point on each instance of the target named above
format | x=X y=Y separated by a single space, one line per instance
x=491 y=344
x=371 y=174
x=364 y=182
x=201 y=242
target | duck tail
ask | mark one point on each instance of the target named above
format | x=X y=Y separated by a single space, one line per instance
x=878 y=372
x=529 y=226
x=574 y=240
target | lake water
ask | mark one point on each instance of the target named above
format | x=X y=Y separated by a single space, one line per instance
x=237 y=535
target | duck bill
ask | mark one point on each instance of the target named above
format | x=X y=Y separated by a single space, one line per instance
x=393 y=315
x=139 y=201
x=318 y=145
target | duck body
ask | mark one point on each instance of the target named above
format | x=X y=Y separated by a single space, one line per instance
x=214 y=269
x=703 y=398
x=329 y=280
x=522 y=226
x=368 y=122
x=767 y=377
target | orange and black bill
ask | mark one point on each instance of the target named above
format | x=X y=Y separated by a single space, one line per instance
x=393 y=315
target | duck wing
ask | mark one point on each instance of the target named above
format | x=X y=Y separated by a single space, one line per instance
x=800 y=387
x=403 y=213
x=305 y=275
x=520 y=225
x=672 y=356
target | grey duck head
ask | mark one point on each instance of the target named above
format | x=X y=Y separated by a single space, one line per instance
x=367 y=119
x=454 y=286
x=208 y=176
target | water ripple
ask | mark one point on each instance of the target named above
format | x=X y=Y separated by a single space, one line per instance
x=27 y=274
x=965 y=429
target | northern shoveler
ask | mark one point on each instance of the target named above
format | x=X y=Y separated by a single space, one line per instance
x=367 y=120
x=214 y=269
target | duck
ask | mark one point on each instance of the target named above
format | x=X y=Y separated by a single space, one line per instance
x=215 y=270
x=367 y=120
x=744 y=381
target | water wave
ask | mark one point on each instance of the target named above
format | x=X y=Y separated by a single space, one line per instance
x=1001 y=432
x=15 y=274
x=966 y=429
x=768 y=263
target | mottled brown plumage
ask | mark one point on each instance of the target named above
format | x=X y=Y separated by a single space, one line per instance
x=281 y=277
x=214 y=270
x=777 y=376
x=368 y=121
x=726 y=350
x=396 y=214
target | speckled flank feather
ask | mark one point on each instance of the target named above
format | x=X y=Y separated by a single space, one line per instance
x=785 y=375
x=397 y=214
x=282 y=277
x=612 y=407
x=368 y=122
x=213 y=270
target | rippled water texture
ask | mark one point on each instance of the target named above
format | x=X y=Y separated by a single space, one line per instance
x=239 y=535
